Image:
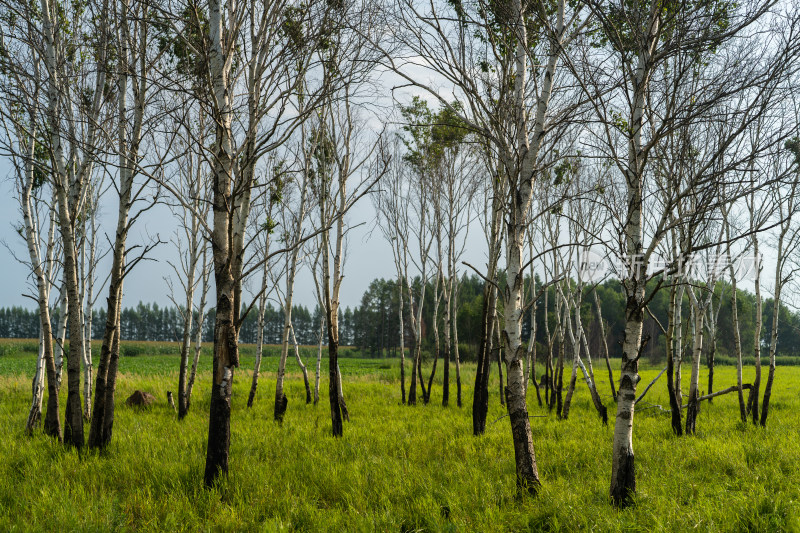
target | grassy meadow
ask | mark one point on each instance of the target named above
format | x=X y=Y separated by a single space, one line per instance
x=397 y=468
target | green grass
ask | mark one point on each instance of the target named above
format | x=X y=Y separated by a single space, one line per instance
x=397 y=468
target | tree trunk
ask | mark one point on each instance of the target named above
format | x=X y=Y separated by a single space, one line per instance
x=559 y=372
x=402 y=340
x=105 y=372
x=412 y=389
x=480 y=400
x=448 y=347
x=226 y=242
x=281 y=401
x=623 y=473
x=530 y=371
x=127 y=147
x=262 y=305
x=455 y=343
x=675 y=406
x=480 y=393
x=302 y=367
x=201 y=318
x=737 y=342
x=599 y=312
x=319 y=361
x=548 y=367
x=773 y=342
x=524 y=456
x=87 y=316
x=693 y=409
x=111 y=386
x=711 y=352
x=498 y=356
x=752 y=402
x=226 y=358
x=45 y=364
x=186 y=341
x=436 y=344
x=588 y=371
x=567 y=325
x=61 y=332
x=678 y=357
x=73 y=420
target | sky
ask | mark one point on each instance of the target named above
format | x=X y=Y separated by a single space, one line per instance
x=368 y=255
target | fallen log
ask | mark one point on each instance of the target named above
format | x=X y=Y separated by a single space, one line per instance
x=735 y=388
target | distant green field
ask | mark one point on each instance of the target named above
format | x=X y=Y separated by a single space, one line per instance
x=397 y=468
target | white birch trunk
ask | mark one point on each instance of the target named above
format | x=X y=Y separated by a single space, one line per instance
x=302 y=367
x=319 y=361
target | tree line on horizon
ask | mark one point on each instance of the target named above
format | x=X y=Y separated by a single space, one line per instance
x=372 y=327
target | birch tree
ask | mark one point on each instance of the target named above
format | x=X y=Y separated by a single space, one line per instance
x=190 y=270
x=346 y=168
x=131 y=36
x=294 y=218
x=73 y=123
x=391 y=201
x=23 y=141
x=787 y=243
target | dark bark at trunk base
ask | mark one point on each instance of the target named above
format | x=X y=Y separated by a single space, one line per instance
x=623 y=487
x=226 y=359
x=573 y=379
x=412 y=390
x=752 y=400
x=111 y=386
x=675 y=409
x=446 y=380
x=308 y=389
x=421 y=380
x=480 y=394
x=280 y=408
x=710 y=357
x=500 y=376
x=333 y=388
x=403 y=377
x=343 y=407
x=73 y=429
x=219 y=432
x=183 y=406
x=251 y=397
x=692 y=412
x=52 y=425
x=524 y=456
x=767 y=394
